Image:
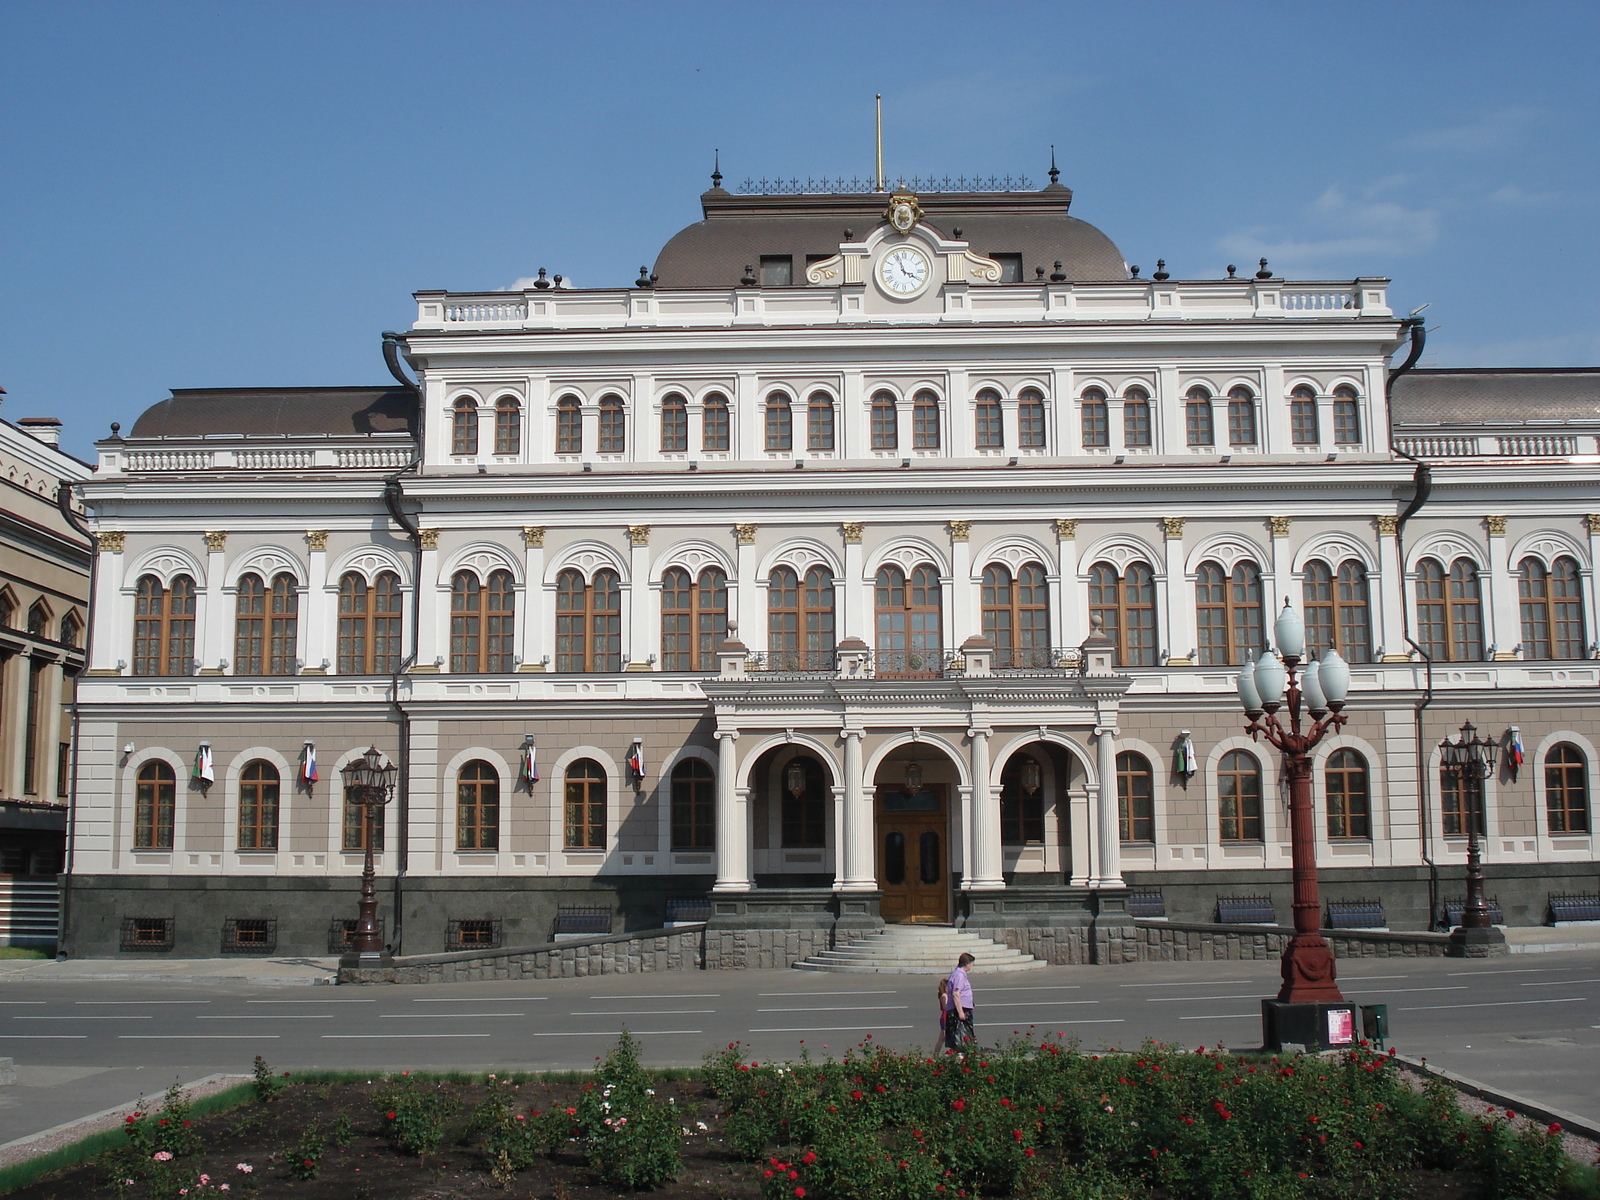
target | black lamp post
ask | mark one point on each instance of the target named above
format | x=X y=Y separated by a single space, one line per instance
x=369 y=782
x=1309 y=1008
x=1470 y=760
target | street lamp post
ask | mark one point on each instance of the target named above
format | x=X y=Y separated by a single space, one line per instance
x=1470 y=760
x=1304 y=1009
x=369 y=782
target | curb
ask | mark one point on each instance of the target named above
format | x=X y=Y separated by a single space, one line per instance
x=24 y=1148
x=1570 y=1122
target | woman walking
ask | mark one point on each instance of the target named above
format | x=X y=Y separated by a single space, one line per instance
x=958 y=999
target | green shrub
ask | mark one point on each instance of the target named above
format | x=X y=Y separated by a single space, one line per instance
x=630 y=1138
x=266 y=1084
x=415 y=1114
x=305 y=1156
x=509 y=1139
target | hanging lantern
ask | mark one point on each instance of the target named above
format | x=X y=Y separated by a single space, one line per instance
x=794 y=778
x=913 y=776
x=1032 y=776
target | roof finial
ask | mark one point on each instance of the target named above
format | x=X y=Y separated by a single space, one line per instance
x=878 y=178
x=716 y=168
x=1055 y=175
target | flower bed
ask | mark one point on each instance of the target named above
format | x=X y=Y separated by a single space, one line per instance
x=1033 y=1120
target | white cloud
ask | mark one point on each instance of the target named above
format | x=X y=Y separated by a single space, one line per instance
x=1514 y=196
x=1497 y=130
x=1339 y=227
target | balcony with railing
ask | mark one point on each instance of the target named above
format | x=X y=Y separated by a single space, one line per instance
x=940 y=663
x=1496 y=445
x=371 y=452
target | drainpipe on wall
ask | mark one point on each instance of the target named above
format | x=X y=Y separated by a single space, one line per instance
x=64 y=504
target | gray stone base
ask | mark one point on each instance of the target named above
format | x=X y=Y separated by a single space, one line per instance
x=680 y=949
x=1167 y=941
x=1477 y=943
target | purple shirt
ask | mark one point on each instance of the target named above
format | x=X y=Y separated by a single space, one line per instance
x=960 y=990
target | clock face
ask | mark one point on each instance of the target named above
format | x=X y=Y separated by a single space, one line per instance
x=904 y=271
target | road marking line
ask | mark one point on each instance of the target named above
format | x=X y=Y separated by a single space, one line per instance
x=45 y=1037
x=141 y=1002
x=329 y=1001
x=839 y=1008
x=1365 y=978
x=444 y=999
x=328 y=1036
x=1036 y=1004
x=1557 y=982
x=22 y=1002
x=665 y=996
x=192 y=1037
x=120 y=1017
x=440 y=1016
x=1064 y=987
x=1515 y=971
x=646 y=1012
x=619 y=1032
x=1497 y=1004
x=1187 y=999
x=264 y=1017
x=1190 y=983
x=1453 y=987
x=830 y=1028
x=891 y=992
x=1220 y=1017
x=1082 y=1021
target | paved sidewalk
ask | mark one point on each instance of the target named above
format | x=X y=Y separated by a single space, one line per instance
x=1543 y=939
x=268 y=972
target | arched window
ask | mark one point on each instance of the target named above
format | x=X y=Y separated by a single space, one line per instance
x=71 y=631
x=909 y=634
x=800 y=621
x=478 y=807
x=155 y=795
x=803 y=811
x=1092 y=414
x=1552 y=609
x=780 y=422
x=1349 y=796
x=1136 y=419
x=694 y=806
x=1304 y=427
x=714 y=423
x=1197 y=418
x=8 y=609
x=163 y=627
x=1460 y=802
x=585 y=806
x=819 y=422
x=1030 y=420
x=1241 y=417
x=885 y=422
x=266 y=626
x=1337 y=613
x=369 y=624
x=613 y=425
x=482 y=622
x=569 y=425
x=1016 y=615
x=507 y=425
x=38 y=619
x=258 y=806
x=925 y=422
x=1566 y=789
x=694 y=619
x=1021 y=809
x=674 y=424
x=464 y=426
x=1450 y=611
x=1346 y=416
x=988 y=426
x=1239 y=797
x=1231 y=626
x=1136 y=798
x=362 y=823
x=1126 y=606
x=589 y=622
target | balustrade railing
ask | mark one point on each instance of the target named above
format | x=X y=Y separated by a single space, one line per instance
x=170 y=460
x=274 y=460
x=793 y=662
x=1537 y=445
x=1438 y=447
x=942 y=663
x=364 y=456
x=480 y=312
x=1293 y=301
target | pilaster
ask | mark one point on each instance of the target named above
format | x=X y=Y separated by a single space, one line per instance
x=1178 y=634
x=854 y=587
x=432 y=641
x=211 y=618
x=1505 y=617
x=641 y=609
x=317 y=606
x=530 y=638
x=1391 y=591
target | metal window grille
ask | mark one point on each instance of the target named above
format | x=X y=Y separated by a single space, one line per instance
x=147 y=933
x=473 y=933
x=249 y=935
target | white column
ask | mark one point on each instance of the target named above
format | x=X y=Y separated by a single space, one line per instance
x=530 y=637
x=435 y=607
x=752 y=621
x=1279 y=581
x=1504 y=627
x=1169 y=429
x=113 y=623
x=858 y=874
x=1591 y=600
x=212 y=619
x=964 y=618
x=852 y=418
x=1108 y=867
x=850 y=601
x=747 y=435
x=1069 y=603
x=1066 y=437
x=317 y=607
x=959 y=409
x=1011 y=433
x=1116 y=430
x=644 y=426
x=733 y=820
x=1391 y=593
x=985 y=859
x=641 y=610
x=1178 y=636
x=1274 y=431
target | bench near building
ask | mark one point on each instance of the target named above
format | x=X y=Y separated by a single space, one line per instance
x=873 y=558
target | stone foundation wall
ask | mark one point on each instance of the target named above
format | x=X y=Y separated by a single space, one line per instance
x=1168 y=941
x=763 y=949
x=620 y=954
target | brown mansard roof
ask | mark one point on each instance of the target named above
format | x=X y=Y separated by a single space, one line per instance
x=1495 y=395
x=739 y=229
x=280 y=412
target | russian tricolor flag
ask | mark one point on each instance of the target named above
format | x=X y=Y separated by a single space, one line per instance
x=1514 y=756
x=530 y=766
x=636 y=759
x=308 y=764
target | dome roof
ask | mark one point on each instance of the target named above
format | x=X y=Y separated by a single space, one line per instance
x=739 y=229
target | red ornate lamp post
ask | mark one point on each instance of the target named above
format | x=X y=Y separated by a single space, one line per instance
x=1267 y=688
x=1470 y=760
x=369 y=782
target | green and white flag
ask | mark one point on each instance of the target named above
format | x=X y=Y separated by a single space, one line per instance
x=202 y=764
x=1184 y=758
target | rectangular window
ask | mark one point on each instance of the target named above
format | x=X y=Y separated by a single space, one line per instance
x=777 y=270
x=360 y=822
x=1347 y=422
x=1241 y=422
x=30 y=748
x=63 y=768
x=1197 y=414
x=714 y=427
x=1303 y=423
x=1030 y=424
x=1096 y=432
x=1460 y=803
x=1010 y=266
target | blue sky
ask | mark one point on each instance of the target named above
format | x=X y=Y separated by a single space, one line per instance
x=237 y=194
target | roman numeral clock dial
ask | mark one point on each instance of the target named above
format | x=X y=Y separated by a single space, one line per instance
x=904 y=271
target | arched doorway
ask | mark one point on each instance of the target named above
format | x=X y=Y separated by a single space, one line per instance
x=914 y=793
x=791 y=810
x=1035 y=813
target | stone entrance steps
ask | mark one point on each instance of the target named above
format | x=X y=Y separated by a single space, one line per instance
x=919 y=950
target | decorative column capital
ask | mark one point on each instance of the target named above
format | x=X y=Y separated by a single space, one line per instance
x=533 y=537
x=975 y=732
x=317 y=539
x=960 y=531
x=216 y=540
x=1172 y=527
x=111 y=540
x=1495 y=525
x=1107 y=731
x=852 y=531
x=428 y=539
x=1388 y=526
x=1594 y=522
x=847 y=733
x=1066 y=528
x=746 y=534
x=1280 y=526
x=728 y=735
x=638 y=535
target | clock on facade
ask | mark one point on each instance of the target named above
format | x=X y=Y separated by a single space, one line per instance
x=904 y=271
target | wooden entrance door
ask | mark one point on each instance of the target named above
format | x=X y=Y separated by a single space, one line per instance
x=913 y=856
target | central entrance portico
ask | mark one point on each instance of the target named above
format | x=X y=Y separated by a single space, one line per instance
x=913 y=840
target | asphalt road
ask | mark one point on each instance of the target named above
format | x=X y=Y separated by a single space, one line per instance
x=1528 y=1024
